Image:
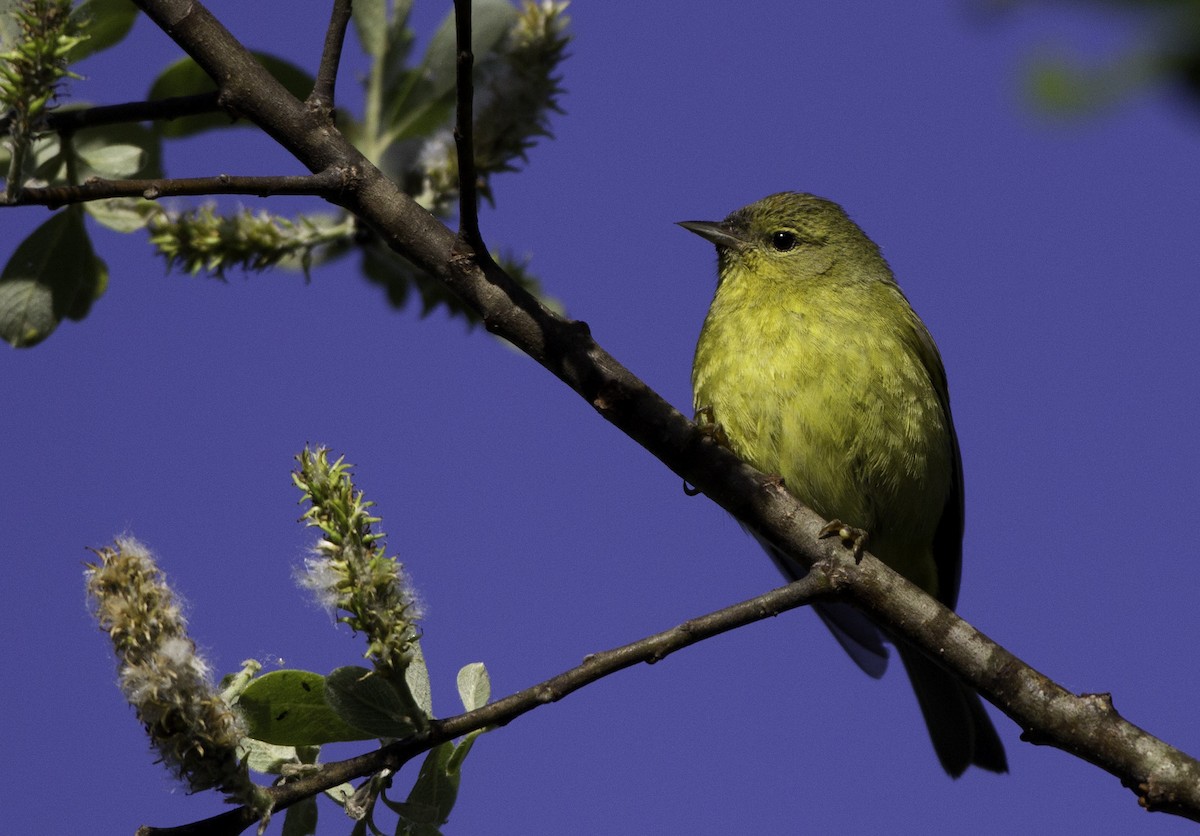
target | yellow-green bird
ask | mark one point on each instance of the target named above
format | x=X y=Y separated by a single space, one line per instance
x=814 y=367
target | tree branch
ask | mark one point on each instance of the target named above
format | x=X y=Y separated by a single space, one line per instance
x=326 y=184
x=464 y=132
x=1163 y=778
x=815 y=586
x=66 y=121
x=321 y=98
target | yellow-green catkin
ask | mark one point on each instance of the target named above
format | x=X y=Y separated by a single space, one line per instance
x=168 y=683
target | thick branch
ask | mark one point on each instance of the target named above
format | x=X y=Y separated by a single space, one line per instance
x=651 y=649
x=327 y=184
x=1163 y=777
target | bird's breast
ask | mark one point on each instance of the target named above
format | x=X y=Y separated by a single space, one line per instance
x=842 y=407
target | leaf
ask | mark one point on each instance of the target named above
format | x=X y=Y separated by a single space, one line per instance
x=461 y=751
x=118 y=151
x=491 y=21
x=428 y=102
x=44 y=160
x=368 y=702
x=371 y=25
x=301 y=818
x=416 y=675
x=122 y=214
x=54 y=273
x=267 y=758
x=474 y=686
x=185 y=78
x=432 y=797
x=288 y=708
x=115 y=161
x=341 y=793
x=10 y=29
x=105 y=22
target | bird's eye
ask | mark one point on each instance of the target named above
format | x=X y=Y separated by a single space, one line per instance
x=783 y=241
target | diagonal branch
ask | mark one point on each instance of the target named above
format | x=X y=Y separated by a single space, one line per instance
x=1162 y=777
x=815 y=586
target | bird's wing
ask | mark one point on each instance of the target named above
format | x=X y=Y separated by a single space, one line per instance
x=947 y=539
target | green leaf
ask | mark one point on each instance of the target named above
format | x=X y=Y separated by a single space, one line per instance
x=115 y=161
x=301 y=818
x=118 y=151
x=371 y=25
x=44 y=160
x=121 y=214
x=433 y=795
x=53 y=274
x=461 y=751
x=288 y=708
x=416 y=676
x=432 y=798
x=105 y=22
x=474 y=686
x=368 y=702
x=428 y=99
x=185 y=78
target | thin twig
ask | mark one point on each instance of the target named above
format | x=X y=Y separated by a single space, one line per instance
x=812 y=587
x=464 y=133
x=66 y=121
x=327 y=184
x=321 y=98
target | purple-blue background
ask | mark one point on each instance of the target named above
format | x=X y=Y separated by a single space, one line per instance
x=1055 y=262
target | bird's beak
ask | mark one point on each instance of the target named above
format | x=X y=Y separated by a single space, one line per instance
x=724 y=236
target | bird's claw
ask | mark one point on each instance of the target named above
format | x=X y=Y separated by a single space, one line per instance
x=708 y=425
x=855 y=538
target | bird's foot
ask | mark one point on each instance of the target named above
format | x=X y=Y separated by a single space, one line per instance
x=710 y=429
x=708 y=425
x=851 y=537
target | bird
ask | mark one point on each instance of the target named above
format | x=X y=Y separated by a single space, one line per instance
x=812 y=366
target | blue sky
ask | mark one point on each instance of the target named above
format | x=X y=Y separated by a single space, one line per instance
x=1054 y=261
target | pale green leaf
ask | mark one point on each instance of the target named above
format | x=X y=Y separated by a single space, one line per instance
x=416 y=675
x=267 y=758
x=121 y=214
x=114 y=152
x=474 y=686
x=371 y=23
x=113 y=161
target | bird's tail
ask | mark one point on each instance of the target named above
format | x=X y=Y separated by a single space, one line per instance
x=961 y=730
